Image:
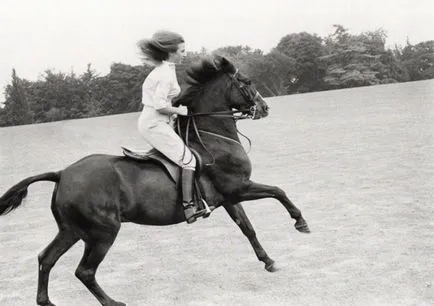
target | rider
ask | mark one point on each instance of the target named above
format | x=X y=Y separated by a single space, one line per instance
x=166 y=49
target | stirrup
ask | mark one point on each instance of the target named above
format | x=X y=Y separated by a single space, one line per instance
x=189 y=212
x=204 y=213
x=207 y=211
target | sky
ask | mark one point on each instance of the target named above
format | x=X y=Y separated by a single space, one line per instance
x=66 y=35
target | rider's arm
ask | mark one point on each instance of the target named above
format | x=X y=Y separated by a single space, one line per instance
x=161 y=102
x=170 y=110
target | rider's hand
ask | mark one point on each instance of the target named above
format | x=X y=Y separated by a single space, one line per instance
x=183 y=111
x=172 y=119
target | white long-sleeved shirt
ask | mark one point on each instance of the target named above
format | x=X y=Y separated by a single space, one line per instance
x=160 y=86
x=158 y=90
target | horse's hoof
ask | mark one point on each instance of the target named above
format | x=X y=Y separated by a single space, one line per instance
x=117 y=304
x=272 y=267
x=302 y=227
x=46 y=304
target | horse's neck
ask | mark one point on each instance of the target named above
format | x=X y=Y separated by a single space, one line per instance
x=224 y=127
x=216 y=139
x=211 y=102
x=211 y=128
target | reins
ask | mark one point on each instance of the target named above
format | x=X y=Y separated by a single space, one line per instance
x=249 y=113
x=227 y=114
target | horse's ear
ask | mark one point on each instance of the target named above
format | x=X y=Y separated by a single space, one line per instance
x=224 y=61
x=201 y=71
x=209 y=68
x=220 y=62
x=227 y=66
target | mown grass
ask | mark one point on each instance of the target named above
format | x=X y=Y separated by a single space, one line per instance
x=359 y=163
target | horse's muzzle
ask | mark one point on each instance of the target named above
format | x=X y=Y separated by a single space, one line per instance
x=261 y=110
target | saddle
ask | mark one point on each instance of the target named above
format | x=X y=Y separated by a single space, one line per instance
x=173 y=170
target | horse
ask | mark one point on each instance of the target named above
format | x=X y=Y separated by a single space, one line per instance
x=93 y=196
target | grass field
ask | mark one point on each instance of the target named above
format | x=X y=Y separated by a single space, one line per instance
x=359 y=163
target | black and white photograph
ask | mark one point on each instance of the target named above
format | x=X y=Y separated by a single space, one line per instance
x=216 y=152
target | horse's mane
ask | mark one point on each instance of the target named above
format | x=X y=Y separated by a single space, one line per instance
x=199 y=74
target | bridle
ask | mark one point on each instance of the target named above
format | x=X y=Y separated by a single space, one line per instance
x=249 y=93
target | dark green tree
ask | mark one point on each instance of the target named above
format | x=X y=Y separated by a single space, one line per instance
x=356 y=60
x=16 y=108
x=417 y=59
x=305 y=49
x=269 y=72
x=120 y=90
x=57 y=97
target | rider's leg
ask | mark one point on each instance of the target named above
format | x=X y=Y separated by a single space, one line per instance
x=187 y=180
x=163 y=138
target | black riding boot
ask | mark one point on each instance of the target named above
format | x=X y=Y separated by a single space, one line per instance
x=190 y=207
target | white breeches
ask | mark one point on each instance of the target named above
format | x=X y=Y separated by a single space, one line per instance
x=163 y=137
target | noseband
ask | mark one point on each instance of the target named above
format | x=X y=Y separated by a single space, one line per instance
x=248 y=92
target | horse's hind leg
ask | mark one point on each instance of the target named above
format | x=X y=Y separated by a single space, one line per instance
x=96 y=247
x=237 y=213
x=64 y=240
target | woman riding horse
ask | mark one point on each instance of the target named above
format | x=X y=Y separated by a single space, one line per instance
x=165 y=49
x=93 y=196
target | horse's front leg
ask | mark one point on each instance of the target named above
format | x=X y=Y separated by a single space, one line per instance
x=254 y=191
x=239 y=216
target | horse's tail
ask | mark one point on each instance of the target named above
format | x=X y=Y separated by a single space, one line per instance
x=15 y=195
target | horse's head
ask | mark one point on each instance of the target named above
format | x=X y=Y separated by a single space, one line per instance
x=218 y=73
x=242 y=93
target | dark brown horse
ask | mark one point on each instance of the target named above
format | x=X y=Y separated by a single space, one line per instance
x=93 y=196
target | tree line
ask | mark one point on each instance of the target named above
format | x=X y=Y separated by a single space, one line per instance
x=301 y=62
